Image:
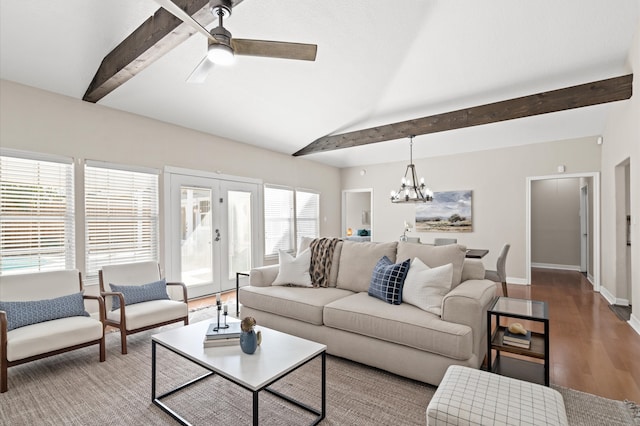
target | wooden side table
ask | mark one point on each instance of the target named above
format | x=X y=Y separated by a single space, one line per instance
x=530 y=370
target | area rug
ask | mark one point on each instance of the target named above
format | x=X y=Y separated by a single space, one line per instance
x=75 y=389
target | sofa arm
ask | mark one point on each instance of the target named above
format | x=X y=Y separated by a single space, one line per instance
x=263 y=276
x=468 y=304
x=472 y=269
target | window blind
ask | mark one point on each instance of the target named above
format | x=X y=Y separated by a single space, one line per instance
x=278 y=220
x=307 y=214
x=121 y=209
x=36 y=215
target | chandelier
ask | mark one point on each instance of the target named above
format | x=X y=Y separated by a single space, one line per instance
x=411 y=191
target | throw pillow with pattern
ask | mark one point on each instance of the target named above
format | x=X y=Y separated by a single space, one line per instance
x=387 y=280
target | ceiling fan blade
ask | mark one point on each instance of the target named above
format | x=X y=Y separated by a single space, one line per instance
x=274 y=49
x=201 y=71
x=176 y=11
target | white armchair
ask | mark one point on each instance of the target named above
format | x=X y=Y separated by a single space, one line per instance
x=128 y=307
x=43 y=314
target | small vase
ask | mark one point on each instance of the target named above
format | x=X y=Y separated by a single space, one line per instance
x=248 y=341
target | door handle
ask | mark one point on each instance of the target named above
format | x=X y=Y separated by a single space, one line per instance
x=217 y=235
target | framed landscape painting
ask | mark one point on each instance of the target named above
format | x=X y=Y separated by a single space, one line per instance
x=449 y=211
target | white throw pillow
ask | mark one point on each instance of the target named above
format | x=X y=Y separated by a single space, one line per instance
x=294 y=270
x=425 y=287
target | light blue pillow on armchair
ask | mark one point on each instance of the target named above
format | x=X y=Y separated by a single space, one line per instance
x=20 y=314
x=139 y=293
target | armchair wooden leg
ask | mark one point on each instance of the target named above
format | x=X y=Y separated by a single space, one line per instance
x=103 y=351
x=504 y=289
x=123 y=341
x=3 y=380
x=186 y=321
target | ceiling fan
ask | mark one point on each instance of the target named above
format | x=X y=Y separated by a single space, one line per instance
x=222 y=47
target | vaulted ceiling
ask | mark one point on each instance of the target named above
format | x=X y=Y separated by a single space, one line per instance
x=377 y=63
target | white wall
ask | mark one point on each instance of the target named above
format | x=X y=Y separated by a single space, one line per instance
x=621 y=142
x=498 y=181
x=39 y=121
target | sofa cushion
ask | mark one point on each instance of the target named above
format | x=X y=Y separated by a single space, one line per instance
x=357 y=261
x=434 y=256
x=402 y=324
x=20 y=314
x=387 y=280
x=294 y=270
x=139 y=293
x=425 y=287
x=302 y=304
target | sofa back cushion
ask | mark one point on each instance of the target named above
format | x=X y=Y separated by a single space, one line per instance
x=434 y=256
x=357 y=261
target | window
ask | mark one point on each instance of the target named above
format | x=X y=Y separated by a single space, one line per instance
x=278 y=220
x=289 y=215
x=36 y=213
x=121 y=207
x=307 y=214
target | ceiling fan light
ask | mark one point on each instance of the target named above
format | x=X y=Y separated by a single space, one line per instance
x=220 y=54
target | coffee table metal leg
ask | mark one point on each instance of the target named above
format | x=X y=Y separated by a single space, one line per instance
x=255 y=408
x=324 y=386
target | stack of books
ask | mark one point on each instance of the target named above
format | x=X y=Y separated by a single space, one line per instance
x=223 y=336
x=517 y=340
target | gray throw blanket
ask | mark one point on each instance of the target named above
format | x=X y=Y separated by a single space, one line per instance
x=321 y=257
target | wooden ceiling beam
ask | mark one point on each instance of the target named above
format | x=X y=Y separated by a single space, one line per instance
x=583 y=95
x=149 y=42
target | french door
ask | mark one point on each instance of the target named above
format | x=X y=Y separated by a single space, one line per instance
x=212 y=231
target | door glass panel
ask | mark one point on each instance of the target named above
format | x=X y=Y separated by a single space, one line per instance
x=196 y=255
x=240 y=232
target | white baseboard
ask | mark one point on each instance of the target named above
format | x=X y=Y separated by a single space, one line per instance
x=556 y=266
x=519 y=281
x=634 y=322
x=607 y=295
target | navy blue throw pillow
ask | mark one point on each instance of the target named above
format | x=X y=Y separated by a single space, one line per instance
x=388 y=279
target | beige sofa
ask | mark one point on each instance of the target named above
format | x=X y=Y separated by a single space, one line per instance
x=402 y=339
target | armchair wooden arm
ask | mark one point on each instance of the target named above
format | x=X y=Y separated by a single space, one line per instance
x=184 y=289
x=3 y=351
x=100 y=301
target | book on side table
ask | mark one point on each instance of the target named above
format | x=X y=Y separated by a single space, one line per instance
x=222 y=336
x=517 y=340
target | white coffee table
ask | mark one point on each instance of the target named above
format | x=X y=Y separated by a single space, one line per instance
x=278 y=355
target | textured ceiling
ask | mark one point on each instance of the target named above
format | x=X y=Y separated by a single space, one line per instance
x=376 y=64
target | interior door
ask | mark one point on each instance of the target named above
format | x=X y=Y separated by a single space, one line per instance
x=213 y=224
x=584 y=229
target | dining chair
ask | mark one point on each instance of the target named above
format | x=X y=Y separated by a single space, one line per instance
x=500 y=274
x=444 y=241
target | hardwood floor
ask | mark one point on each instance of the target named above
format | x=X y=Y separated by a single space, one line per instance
x=592 y=350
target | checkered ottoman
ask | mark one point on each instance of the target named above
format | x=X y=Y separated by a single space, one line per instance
x=473 y=397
